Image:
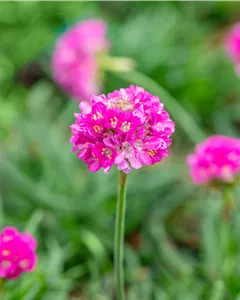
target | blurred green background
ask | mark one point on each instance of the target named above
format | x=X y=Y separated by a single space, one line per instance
x=177 y=244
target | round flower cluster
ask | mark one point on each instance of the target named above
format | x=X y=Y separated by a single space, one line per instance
x=17 y=253
x=128 y=127
x=75 y=58
x=217 y=158
x=232 y=45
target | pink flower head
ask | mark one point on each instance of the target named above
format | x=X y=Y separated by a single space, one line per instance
x=128 y=128
x=216 y=158
x=232 y=45
x=75 y=58
x=17 y=253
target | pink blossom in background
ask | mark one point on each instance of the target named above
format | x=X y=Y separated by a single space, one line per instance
x=17 y=253
x=232 y=45
x=75 y=58
x=217 y=158
x=128 y=127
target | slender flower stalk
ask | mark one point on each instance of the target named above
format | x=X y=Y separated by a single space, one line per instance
x=116 y=64
x=119 y=236
x=228 y=204
x=2 y=288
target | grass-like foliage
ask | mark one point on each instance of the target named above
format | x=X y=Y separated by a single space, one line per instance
x=180 y=242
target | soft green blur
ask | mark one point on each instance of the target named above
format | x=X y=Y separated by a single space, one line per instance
x=178 y=244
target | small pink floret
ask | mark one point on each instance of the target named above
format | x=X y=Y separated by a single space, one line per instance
x=74 y=60
x=17 y=253
x=129 y=128
x=217 y=158
x=232 y=45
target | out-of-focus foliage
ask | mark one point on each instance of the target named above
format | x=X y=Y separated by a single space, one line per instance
x=178 y=245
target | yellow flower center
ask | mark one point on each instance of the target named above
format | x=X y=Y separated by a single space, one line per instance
x=5 y=252
x=97 y=116
x=126 y=126
x=114 y=121
x=151 y=152
x=107 y=152
x=97 y=128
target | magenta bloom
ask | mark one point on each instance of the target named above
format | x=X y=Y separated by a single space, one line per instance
x=75 y=58
x=128 y=128
x=217 y=158
x=232 y=45
x=17 y=253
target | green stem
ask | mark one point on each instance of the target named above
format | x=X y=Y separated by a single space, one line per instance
x=116 y=64
x=228 y=204
x=2 y=288
x=1 y=211
x=177 y=111
x=119 y=237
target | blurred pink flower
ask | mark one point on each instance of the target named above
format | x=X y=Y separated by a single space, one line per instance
x=17 y=253
x=216 y=158
x=232 y=45
x=75 y=58
x=128 y=127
